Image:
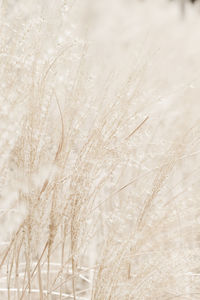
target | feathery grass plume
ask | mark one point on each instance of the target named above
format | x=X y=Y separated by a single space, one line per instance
x=99 y=145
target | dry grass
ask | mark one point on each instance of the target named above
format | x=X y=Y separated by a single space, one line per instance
x=99 y=151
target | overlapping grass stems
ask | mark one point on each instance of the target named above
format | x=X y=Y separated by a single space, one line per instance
x=99 y=185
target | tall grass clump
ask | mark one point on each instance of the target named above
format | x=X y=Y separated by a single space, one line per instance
x=99 y=151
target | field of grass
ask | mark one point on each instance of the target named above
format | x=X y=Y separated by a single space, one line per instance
x=99 y=150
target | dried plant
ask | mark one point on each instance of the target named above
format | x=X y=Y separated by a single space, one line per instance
x=99 y=145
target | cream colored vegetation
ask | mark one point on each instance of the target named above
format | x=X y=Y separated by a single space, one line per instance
x=99 y=149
